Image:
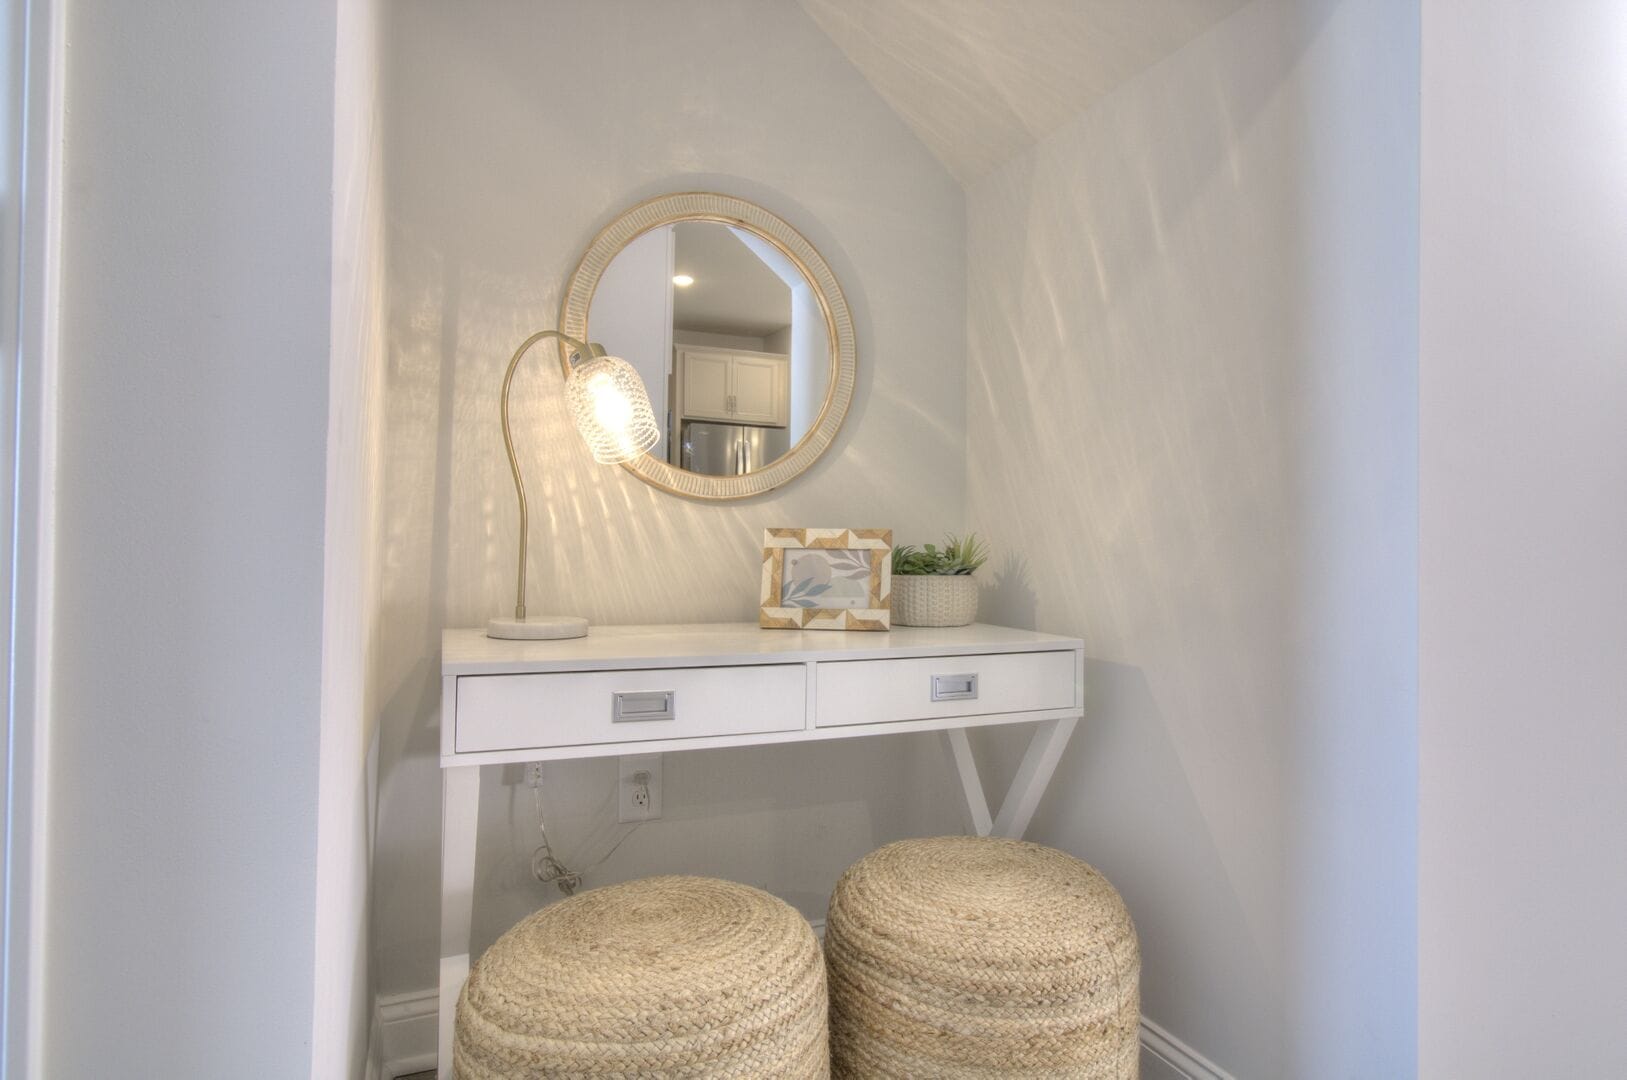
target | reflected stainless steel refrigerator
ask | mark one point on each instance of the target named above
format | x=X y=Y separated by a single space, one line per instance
x=731 y=449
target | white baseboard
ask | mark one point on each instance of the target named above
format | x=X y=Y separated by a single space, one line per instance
x=406 y=1028
x=1177 y=1055
x=374 y=1068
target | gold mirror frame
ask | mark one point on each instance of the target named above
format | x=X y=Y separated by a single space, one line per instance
x=728 y=210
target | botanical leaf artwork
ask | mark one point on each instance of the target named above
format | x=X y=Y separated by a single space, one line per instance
x=826 y=579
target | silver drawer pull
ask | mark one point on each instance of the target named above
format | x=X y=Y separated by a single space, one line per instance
x=954 y=688
x=643 y=705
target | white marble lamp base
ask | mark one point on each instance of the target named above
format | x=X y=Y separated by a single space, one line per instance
x=538 y=628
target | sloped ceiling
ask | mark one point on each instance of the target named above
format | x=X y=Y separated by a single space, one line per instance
x=981 y=80
x=733 y=291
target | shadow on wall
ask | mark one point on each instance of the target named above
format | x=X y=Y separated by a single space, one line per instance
x=1127 y=805
x=1130 y=807
x=1192 y=414
x=1009 y=600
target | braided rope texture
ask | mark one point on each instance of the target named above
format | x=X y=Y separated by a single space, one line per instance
x=661 y=977
x=963 y=957
x=934 y=599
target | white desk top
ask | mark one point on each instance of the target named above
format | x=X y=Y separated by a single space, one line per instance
x=471 y=652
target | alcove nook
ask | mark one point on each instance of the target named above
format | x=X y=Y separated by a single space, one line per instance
x=1116 y=294
x=1273 y=347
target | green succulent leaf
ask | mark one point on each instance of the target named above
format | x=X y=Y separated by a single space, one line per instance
x=959 y=555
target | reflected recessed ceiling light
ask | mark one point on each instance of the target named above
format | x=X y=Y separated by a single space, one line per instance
x=683 y=281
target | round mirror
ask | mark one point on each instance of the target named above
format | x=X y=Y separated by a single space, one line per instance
x=738 y=329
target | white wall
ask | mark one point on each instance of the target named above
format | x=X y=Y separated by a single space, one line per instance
x=351 y=571
x=1523 y=745
x=189 y=609
x=721 y=341
x=779 y=342
x=632 y=317
x=1191 y=441
x=810 y=361
x=503 y=161
x=806 y=340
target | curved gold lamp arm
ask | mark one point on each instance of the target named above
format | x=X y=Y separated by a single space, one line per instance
x=581 y=348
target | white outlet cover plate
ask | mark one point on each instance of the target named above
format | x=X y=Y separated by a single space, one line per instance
x=631 y=765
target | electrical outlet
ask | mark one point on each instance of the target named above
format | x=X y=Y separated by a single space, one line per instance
x=638 y=794
x=533 y=774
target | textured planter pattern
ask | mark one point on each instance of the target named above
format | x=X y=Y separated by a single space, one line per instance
x=934 y=599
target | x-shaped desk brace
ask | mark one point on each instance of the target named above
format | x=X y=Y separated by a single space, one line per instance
x=1045 y=748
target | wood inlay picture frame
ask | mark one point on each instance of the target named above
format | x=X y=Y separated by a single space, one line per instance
x=827 y=579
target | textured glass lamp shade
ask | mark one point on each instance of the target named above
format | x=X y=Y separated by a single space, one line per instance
x=611 y=409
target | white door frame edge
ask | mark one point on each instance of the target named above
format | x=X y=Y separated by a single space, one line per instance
x=27 y=477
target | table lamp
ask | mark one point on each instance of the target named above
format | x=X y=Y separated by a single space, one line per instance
x=612 y=411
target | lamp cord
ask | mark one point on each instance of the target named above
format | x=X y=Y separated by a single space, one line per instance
x=546 y=867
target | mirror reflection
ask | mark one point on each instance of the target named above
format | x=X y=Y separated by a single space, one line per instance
x=729 y=336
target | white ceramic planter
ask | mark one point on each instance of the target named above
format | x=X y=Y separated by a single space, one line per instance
x=934 y=599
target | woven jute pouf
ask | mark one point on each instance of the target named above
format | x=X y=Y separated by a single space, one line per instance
x=974 y=957
x=663 y=977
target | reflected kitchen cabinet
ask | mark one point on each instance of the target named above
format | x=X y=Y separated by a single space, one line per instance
x=704 y=381
x=761 y=393
x=734 y=386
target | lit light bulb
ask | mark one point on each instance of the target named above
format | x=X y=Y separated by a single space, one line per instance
x=611 y=409
x=683 y=281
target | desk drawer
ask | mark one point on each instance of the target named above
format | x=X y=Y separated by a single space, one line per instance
x=575 y=708
x=882 y=691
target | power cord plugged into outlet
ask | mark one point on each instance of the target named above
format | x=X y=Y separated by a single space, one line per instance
x=638 y=796
x=644 y=799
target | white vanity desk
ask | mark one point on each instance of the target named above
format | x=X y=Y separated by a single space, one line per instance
x=649 y=689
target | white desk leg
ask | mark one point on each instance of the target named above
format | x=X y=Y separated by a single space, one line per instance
x=1039 y=762
x=460 y=810
x=977 y=805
